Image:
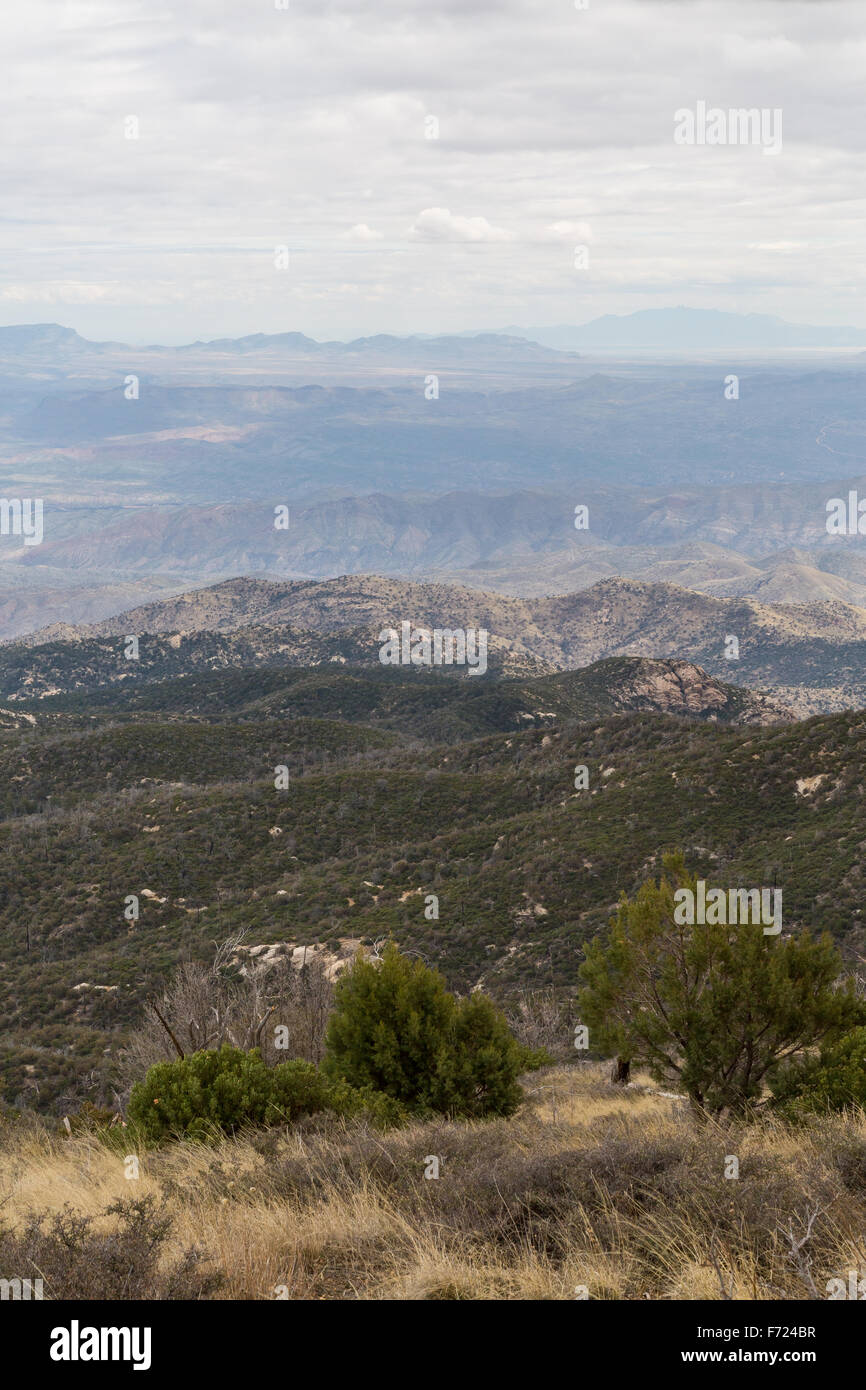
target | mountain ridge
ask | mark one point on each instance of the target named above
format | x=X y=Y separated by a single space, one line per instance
x=681 y=327
x=655 y=328
x=819 y=646
x=41 y=337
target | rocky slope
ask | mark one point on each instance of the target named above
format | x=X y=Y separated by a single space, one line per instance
x=812 y=655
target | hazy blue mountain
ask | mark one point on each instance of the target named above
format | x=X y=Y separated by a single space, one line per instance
x=242 y=438
x=47 y=340
x=53 y=340
x=683 y=328
x=176 y=484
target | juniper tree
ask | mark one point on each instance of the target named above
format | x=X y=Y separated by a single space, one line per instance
x=712 y=1008
x=397 y=1029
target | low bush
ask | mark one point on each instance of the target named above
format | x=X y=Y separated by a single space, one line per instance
x=126 y=1262
x=833 y=1079
x=210 y=1093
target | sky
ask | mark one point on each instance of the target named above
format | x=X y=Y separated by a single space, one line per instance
x=211 y=168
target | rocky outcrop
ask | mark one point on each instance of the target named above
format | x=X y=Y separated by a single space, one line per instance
x=681 y=687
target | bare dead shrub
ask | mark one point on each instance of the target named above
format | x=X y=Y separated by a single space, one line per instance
x=212 y=1003
x=544 y=1018
x=74 y=1261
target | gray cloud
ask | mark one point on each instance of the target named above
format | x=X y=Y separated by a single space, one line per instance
x=260 y=127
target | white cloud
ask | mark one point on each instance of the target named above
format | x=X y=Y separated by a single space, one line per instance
x=440 y=224
x=569 y=231
x=361 y=232
x=777 y=245
x=762 y=55
x=58 y=292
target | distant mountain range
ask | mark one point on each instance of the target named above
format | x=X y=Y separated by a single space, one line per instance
x=59 y=344
x=767 y=542
x=459 y=457
x=679 y=328
x=683 y=329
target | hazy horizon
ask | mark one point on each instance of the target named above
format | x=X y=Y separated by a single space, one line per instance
x=71 y=321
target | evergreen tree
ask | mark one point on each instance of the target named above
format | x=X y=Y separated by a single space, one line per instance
x=397 y=1029
x=833 y=1080
x=711 y=1008
x=478 y=1073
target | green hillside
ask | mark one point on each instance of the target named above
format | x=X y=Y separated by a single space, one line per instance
x=408 y=787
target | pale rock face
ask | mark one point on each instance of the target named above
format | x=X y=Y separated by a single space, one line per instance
x=681 y=687
x=807 y=785
x=337 y=621
x=252 y=959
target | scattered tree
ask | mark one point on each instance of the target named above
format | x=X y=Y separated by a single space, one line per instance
x=711 y=1008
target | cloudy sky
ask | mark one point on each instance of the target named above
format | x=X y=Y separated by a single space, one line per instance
x=430 y=167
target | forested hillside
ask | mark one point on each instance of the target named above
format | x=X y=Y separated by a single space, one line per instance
x=402 y=787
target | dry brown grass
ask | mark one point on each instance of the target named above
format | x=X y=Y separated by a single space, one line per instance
x=588 y=1188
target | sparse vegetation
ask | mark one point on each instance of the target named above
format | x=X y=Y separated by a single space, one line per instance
x=616 y=1190
x=526 y=869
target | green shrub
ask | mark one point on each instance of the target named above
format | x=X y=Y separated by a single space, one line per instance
x=389 y=1027
x=534 y=1058
x=379 y=1110
x=478 y=1071
x=297 y=1088
x=832 y=1080
x=209 y=1094
x=396 y=1029
x=212 y=1092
